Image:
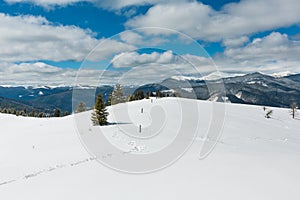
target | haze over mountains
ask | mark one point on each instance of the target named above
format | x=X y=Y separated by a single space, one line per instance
x=255 y=88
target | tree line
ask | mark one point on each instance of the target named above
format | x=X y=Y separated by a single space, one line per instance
x=32 y=113
x=100 y=114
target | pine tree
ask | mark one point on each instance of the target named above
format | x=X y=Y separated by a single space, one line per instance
x=13 y=111
x=66 y=113
x=147 y=95
x=4 y=110
x=137 y=95
x=117 y=95
x=159 y=94
x=57 y=113
x=81 y=107
x=41 y=115
x=32 y=114
x=109 y=100
x=176 y=94
x=99 y=115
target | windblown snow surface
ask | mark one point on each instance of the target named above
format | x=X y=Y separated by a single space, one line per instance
x=255 y=158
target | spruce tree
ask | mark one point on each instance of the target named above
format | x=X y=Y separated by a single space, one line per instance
x=81 y=107
x=57 y=113
x=117 y=95
x=99 y=115
x=109 y=100
x=41 y=115
x=137 y=95
x=147 y=95
x=159 y=94
x=4 y=110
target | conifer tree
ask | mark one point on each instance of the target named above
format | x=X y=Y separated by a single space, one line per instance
x=57 y=113
x=147 y=95
x=66 y=113
x=32 y=114
x=109 y=100
x=137 y=95
x=99 y=115
x=117 y=95
x=41 y=115
x=81 y=107
x=4 y=110
x=159 y=94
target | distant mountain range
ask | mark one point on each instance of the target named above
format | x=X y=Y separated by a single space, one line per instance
x=255 y=88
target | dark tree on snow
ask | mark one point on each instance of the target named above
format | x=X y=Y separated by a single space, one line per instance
x=57 y=113
x=99 y=115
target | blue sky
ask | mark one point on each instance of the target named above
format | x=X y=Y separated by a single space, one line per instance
x=50 y=38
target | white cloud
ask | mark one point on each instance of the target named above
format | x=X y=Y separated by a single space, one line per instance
x=273 y=53
x=135 y=37
x=48 y=3
x=134 y=59
x=41 y=74
x=30 y=38
x=235 y=42
x=24 y=38
x=38 y=68
x=106 y=4
x=131 y=37
x=107 y=48
x=119 y=4
x=155 y=67
x=236 y=19
x=34 y=74
x=274 y=46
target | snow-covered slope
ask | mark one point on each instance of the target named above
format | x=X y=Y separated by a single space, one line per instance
x=256 y=158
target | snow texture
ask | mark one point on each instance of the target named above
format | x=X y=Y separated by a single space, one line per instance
x=256 y=158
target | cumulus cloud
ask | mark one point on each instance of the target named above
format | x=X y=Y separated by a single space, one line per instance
x=34 y=74
x=24 y=38
x=131 y=37
x=233 y=20
x=155 y=67
x=273 y=46
x=235 y=42
x=134 y=59
x=110 y=5
x=136 y=38
x=275 y=52
x=119 y=4
x=107 y=48
x=42 y=74
x=30 y=38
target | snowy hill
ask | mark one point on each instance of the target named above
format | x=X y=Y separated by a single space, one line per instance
x=255 y=158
